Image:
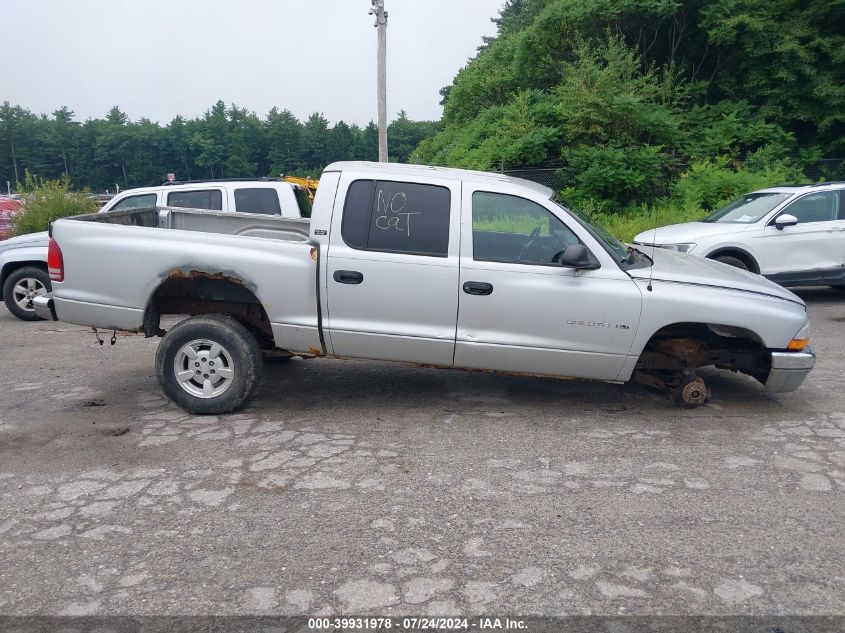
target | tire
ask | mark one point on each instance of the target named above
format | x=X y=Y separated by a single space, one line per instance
x=732 y=261
x=21 y=286
x=227 y=376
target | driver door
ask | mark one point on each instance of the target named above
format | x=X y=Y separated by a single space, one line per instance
x=521 y=311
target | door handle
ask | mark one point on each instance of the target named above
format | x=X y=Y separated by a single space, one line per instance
x=348 y=276
x=478 y=288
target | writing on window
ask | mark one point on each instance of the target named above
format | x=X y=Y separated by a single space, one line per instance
x=397 y=217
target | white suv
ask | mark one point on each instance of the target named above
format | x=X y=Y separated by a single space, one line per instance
x=267 y=197
x=794 y=235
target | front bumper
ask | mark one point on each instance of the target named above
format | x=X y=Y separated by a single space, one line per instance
x=43 y=305
x=789 y=369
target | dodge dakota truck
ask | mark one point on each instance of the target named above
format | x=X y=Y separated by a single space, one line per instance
x=431 y=266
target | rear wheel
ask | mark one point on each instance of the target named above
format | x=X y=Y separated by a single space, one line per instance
x=732 y=261
x=209 y=364
x=21 y=287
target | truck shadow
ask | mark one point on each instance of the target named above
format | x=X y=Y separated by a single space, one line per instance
x=375 y=388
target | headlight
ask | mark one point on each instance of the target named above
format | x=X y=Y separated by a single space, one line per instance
x=681 y=248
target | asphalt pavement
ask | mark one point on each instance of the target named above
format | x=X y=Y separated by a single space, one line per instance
x=374 y=488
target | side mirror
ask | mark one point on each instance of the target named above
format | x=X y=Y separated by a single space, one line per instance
x=784 y=220
x=579 y=257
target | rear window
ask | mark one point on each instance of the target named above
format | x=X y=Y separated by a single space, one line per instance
x=397 y=217
x=257 y=200
x=211 y=199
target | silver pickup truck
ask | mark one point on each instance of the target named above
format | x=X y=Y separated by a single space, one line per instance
x=432 y=266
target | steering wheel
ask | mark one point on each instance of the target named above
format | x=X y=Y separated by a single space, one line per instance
x=529 y=243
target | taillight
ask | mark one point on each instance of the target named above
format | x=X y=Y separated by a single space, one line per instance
x=55 y=262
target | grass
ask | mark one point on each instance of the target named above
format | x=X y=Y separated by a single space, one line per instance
x=523 y=224
x=624 y=226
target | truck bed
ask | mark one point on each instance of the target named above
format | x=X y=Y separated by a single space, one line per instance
x=115 y=263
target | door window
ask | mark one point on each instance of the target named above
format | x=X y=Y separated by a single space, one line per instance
x=397 y=217
x=816 y=207
x=512 y=229
x=257 y=200
x=211 y=199
x=135 y=202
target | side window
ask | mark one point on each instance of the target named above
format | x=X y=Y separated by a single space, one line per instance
x=397 y=217
x=303 y=200
x=211 y=199
x=135 y=202
x=258 y=200
x=515 y=230
x=815 y=207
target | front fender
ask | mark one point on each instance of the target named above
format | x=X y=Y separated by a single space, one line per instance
x=774 y=322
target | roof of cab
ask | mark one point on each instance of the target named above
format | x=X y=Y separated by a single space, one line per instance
x=447 y=173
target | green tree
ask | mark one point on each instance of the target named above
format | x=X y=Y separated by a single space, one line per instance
x=403 y=136
x=16 y=126
x=226 y=141
x=112 y=146
x=284 y=142
x=315 y=141
x=623 y=94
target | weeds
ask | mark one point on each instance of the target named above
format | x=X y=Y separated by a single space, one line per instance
x=48 y=200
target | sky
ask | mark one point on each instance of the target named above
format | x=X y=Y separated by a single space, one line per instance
x=160 y=58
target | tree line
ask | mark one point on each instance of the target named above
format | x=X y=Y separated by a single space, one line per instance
x=226 y=142
x=631 y=99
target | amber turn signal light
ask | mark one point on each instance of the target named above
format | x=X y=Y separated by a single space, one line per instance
x=798 y=344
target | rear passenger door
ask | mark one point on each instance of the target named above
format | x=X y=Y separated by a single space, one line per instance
x=207 y=198
x=392 y=271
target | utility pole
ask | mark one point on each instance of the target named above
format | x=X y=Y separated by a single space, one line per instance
x=381 y=25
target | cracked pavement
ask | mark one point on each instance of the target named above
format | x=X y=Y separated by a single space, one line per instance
x=372 y=488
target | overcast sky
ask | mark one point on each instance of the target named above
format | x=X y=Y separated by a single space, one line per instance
x=159 y=58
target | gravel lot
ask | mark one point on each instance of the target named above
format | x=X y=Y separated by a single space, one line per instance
x=361 y=487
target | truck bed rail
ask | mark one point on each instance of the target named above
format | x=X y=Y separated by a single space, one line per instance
x=205 y=221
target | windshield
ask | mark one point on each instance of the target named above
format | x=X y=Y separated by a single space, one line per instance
x=617 y=249
x=747 y=209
